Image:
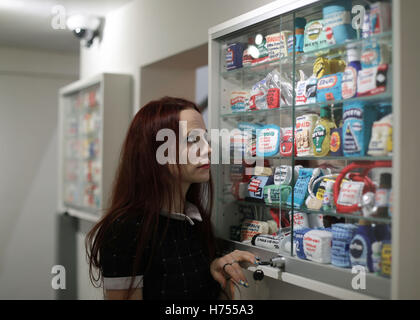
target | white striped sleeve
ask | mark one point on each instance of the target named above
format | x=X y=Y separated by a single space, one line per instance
x=122 y=283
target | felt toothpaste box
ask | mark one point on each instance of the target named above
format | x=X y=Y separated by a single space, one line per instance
x=372 y=81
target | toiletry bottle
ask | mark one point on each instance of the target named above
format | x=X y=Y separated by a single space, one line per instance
x=349 y=82
x=361 y=246
x=358 y=118
x=382 y=195
x=322 y=133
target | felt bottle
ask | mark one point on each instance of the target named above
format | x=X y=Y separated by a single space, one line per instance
x=358 y=119
x=349 y=82
x=361 y=246
x=322 y=133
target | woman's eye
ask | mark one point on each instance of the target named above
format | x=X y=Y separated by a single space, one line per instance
x=193 y=139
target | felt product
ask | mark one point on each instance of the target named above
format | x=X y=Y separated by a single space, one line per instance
x=366 y=28
x=263 y=171
x=300 y=220
x=303 y=134
x=358 y=118
x=246 y=58
x=328 y=198
x=306 y=89
x=373 y=54
x=268 y=140
x=276 y=194
x=361 y=247
x=260 y=54
x=372 y=81
x=329 y=88
x=238 y=100
x=283 y=175
x=298 y=240
x=337 y=22
x=250 y=228
x=234 y=53
x=386 y=258
x=321 y=134
x=317 y=246
x=284 y=36
x=273 y=46
x=300 y=24
x=336 y=145
x=324 y=66
x=376 y=257
x=349 y=82
x=286 y=142
x=284 y=94
x=340 y=251
x=380 y=17
x=382 y=195
x=266 y=241
x=315 y=37
x=256 y=186
x=381 y=140
x=258 y=96
x=300 y=189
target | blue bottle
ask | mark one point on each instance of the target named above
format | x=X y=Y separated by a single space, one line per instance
x=357 y=127
x=361 y=247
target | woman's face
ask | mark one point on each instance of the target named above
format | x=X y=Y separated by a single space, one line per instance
x=194 y=148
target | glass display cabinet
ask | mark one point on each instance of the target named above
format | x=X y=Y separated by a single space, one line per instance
x=305 y=92
x=94 y=115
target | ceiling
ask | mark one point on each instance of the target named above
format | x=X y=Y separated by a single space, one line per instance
x=28 y=23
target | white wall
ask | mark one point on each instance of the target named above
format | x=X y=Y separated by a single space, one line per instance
x=29 y=83
x=144 y=31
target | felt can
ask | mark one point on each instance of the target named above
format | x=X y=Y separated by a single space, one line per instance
x=337 y=21
x=303 y=134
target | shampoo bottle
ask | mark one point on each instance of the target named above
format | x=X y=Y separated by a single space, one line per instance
x=322 y=133
x=361 y=246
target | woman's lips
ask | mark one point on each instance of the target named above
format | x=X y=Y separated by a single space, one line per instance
x=205 y=166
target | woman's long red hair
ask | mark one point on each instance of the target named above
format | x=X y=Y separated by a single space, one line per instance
x=142 y=185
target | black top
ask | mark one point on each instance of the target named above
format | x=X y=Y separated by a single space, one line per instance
x=179 y=269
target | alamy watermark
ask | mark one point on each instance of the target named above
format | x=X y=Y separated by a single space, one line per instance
x=59 y=280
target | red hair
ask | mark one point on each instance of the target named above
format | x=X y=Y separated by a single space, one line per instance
x=142 y=185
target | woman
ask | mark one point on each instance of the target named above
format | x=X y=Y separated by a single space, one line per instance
x=156 y=240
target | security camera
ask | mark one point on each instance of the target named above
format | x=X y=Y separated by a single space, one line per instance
x=86 y=28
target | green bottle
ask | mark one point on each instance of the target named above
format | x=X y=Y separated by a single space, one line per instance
x=322 y=133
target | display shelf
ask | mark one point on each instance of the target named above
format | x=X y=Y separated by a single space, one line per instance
x=338 y=50
x=332 y=213
x=327 y=158
x=383 y=97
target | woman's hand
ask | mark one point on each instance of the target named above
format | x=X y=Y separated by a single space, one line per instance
x=229 y=267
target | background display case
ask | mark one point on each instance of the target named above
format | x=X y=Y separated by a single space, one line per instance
x=307 y=91
x=94 y=115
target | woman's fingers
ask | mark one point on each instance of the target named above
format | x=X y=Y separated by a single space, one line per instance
x=244 y=257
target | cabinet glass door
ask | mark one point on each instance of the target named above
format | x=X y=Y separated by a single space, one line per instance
x=305 y=99
x=82 y=149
